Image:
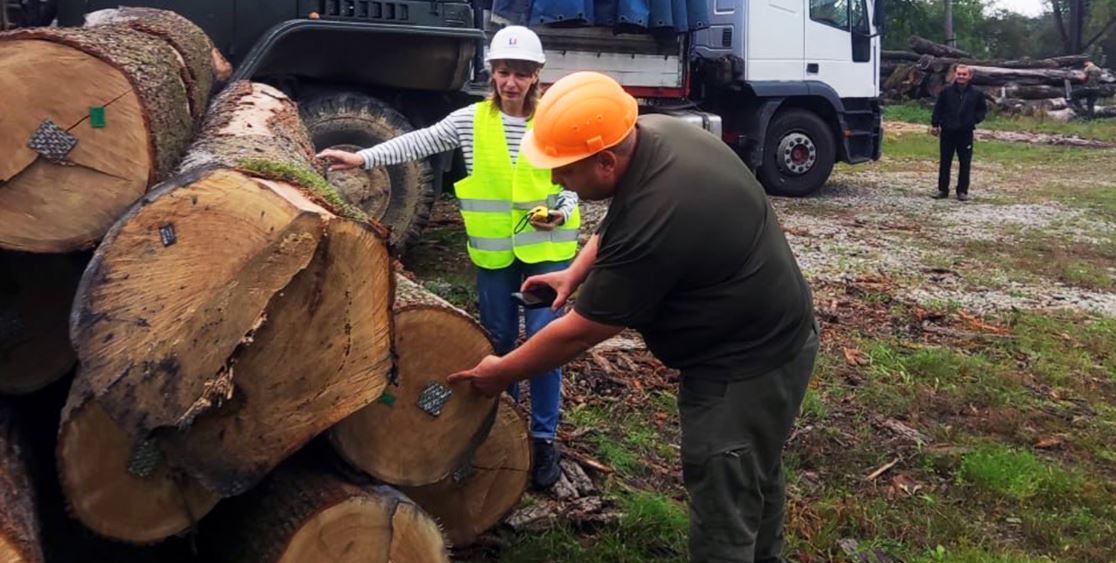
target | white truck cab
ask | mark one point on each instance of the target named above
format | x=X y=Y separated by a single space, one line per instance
x=792 y=85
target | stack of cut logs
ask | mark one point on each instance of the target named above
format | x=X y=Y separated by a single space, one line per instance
x=202 y=305
x=1024 y=86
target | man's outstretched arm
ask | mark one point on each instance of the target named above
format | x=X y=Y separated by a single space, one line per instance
x=553 y=346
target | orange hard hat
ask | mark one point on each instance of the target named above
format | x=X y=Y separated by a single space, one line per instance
x=580 y=115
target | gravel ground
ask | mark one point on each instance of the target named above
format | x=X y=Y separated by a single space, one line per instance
x=871 y=222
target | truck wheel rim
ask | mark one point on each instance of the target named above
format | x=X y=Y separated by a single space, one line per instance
x=369 y=190
x=797 y=153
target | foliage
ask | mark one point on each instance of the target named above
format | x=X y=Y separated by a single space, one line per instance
x=987 y=32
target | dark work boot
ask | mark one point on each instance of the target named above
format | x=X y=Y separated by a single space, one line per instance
x=546 y=470
x=940 y=195
x=962 y=196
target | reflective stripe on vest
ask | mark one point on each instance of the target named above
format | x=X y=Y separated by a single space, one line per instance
x=533 y=237
x=499 y=194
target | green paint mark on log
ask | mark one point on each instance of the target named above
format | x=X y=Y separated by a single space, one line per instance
x=97 y=117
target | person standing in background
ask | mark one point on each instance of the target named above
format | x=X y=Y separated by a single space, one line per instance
x=960 y=107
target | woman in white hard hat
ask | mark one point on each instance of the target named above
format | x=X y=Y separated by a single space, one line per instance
x=510 y=237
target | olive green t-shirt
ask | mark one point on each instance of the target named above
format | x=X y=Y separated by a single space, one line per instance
x=692 y=256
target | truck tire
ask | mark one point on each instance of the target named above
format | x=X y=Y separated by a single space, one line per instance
x=398 y=196
x=30 y=13
x=798 y=154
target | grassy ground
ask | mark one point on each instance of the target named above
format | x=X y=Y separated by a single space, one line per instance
x=1100 y=129
x=989 y=438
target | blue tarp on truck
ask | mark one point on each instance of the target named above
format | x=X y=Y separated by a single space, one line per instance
x=659 y=16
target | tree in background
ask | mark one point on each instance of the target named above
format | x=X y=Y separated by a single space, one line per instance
x=1082 y=23
x=1002 y=34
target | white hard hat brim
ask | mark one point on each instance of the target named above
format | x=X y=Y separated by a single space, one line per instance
x=516 y=56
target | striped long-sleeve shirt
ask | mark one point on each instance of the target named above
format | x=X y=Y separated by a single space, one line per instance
x=455 y=131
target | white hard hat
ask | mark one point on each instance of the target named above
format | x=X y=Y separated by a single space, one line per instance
x=516 y=42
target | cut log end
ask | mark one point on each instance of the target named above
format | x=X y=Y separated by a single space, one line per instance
x=178 y=285
x=323 y=353
x=48 y=206
x=94 y=455
x=486 y=490
x=411 y=436
x=307 y=516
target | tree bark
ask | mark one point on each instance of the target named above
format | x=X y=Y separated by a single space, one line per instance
x=176 y=292
x=899 y=56
x=942 y=64
x=993 y=76
x=118 y=488
x=927 y=47
x=482 y=492
x=151 y=95
x=36 y=291
x=1024 y=92
x=192 y=46
x=20 y=535
x=394 y=439
x=304 y=515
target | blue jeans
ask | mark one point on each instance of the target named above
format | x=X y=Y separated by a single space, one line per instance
x=500 y=316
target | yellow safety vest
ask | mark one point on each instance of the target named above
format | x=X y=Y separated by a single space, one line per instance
x=498 y=195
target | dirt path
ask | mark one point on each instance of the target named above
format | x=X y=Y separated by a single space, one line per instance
x=1009 y=136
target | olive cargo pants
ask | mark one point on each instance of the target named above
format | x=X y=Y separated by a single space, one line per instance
x=733 y=435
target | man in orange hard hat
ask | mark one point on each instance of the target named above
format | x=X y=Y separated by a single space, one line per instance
x=691 y=255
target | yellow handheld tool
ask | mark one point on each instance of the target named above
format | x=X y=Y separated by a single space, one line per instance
x=540 y=213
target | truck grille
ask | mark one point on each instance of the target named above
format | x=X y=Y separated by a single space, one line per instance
x=366 y=10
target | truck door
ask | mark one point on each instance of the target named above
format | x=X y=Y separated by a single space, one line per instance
x=840 y=48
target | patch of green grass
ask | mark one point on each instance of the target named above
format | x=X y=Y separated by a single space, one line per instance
x=654 y=528
x=658 y=523
x=925 y=147
x=943 y=554
x=587 y=416
x=1050 y=256
x=813 y=407
x=613 y=453
x=909 y=112
x=640 y=436
x=665 y=401
x=1063 y=349
x=553 y=545
x=901 y=377
x=1017 y=474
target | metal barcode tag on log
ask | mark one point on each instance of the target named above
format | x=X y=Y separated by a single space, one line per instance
x=433 y=398
x=146 y=458
x=52 y=142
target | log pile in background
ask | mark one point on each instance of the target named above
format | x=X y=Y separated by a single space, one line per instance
x=1028 y=86
x=149 y=79
x=227 y=316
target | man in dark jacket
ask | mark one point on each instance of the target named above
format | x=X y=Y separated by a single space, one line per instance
x=958 y=110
